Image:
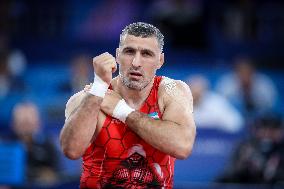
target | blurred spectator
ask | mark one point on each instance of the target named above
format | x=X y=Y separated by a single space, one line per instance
x=260 y=158
x=250 y=91
x=182 y=21
x=12 y=67
x=81 y=72
x=212 y=110
x=41 y=152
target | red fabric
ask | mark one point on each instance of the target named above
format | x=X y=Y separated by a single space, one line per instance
x=119 y=158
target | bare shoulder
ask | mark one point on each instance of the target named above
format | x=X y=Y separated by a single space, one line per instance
x=73 y=103
x=173 y=88
x=175 y=91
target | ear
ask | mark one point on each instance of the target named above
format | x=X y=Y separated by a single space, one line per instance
x=161 y=61
x=117 y=55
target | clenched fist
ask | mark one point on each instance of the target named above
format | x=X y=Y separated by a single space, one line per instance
x=104 y=65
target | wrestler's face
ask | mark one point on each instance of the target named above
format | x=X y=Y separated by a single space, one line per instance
x=138 y=59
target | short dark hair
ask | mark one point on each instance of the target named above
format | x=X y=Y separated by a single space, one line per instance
x=141 y=29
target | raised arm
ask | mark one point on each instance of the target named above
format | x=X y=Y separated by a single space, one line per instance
x=82 y=110
x=174 y=133
x=80 y=124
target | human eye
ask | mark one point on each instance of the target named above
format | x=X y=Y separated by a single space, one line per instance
x=146 y=53
x=129 y=51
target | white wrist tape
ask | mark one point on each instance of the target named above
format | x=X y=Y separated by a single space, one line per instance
x=99 y=87
x=122 y=110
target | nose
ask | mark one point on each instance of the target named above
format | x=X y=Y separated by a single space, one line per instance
x=136 y=62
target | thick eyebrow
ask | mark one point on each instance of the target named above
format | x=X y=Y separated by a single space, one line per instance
x=148 y=51
x=128 y=48
x=142 y=50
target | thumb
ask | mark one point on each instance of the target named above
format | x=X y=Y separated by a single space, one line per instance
x=114 y=67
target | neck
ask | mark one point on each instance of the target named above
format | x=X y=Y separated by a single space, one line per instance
x=134 y=98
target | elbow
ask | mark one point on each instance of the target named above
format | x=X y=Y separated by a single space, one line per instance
x=71 y=153
x=184 y=152
x=68 y=147
x=69 y=150
x=186 y=147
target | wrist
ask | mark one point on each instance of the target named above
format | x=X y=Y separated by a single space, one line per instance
x=122 y=110
x=99 y=87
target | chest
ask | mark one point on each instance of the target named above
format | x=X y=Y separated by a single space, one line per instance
x=153 y=107
x=117 y=140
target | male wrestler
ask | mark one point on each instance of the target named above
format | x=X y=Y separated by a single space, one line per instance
x=129 y=129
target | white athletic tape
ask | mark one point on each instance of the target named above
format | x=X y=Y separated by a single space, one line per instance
x=99 y=87
x=122 y=110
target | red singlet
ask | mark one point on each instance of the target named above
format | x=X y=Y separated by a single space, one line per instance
x=118 y=158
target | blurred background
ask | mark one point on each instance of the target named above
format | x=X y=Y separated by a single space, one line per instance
x=230 y=53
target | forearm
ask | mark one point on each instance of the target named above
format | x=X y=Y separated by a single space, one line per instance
x=166 y=136
x=80 y=127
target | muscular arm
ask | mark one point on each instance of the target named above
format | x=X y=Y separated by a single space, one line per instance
x=83 y=108
x=175 y=133
x=81 y=119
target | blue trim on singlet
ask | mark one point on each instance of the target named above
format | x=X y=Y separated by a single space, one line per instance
x=154 y=115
